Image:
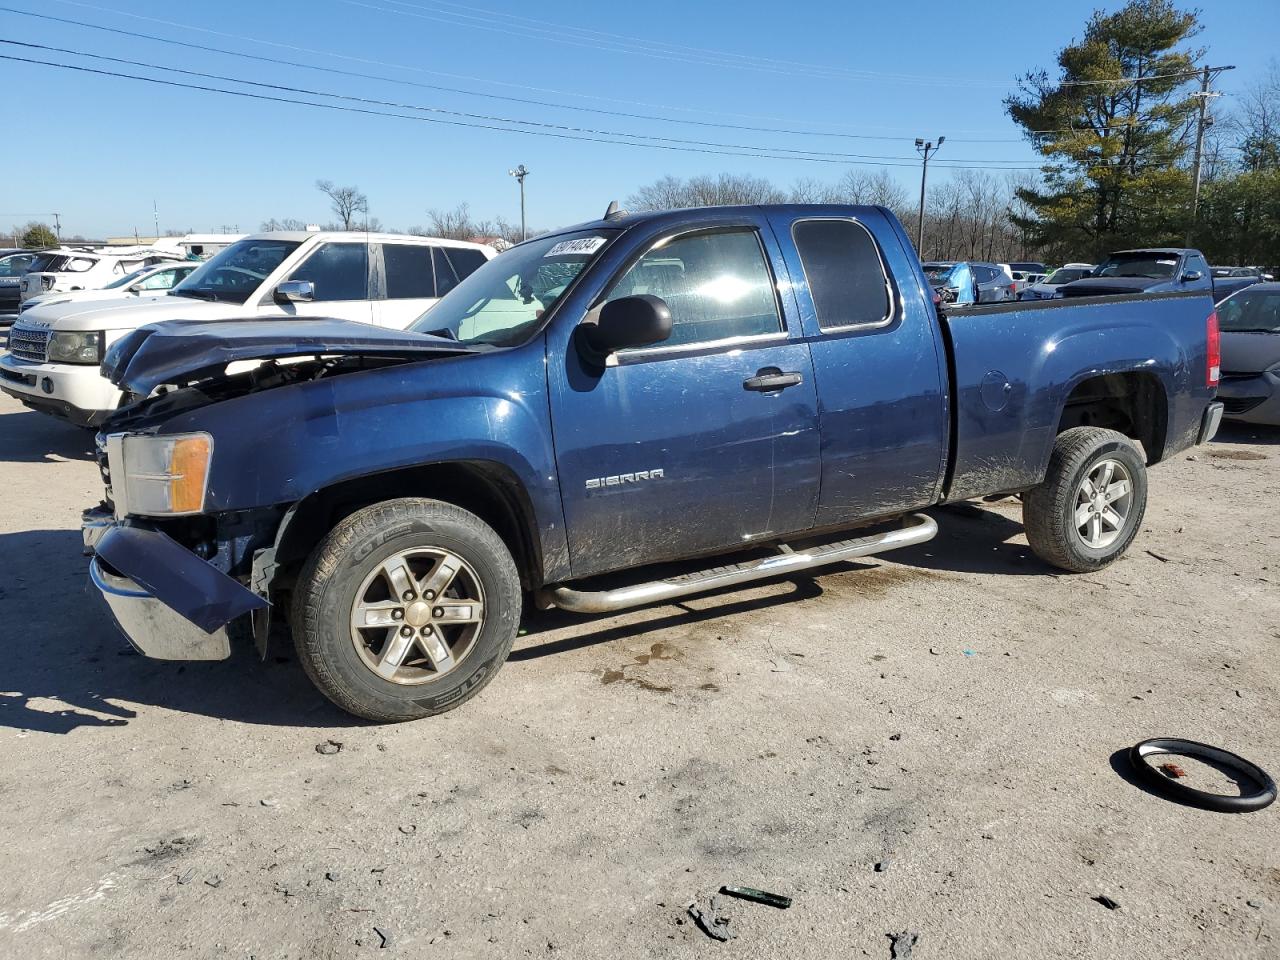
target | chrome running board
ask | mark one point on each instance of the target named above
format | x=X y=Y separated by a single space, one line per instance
x=917 y=529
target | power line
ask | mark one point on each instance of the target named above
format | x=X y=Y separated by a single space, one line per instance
x=447 y=89
x=347 y=57
x=478 y=116
x=622 y=43
x=646 y=144
x=759 y=153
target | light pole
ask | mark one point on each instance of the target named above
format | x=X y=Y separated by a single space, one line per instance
x=926 y=149
x=520 y=173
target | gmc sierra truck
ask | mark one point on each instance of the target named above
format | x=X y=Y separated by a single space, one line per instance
x=774 y=382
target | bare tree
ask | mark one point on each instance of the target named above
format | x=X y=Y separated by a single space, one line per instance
x=345 y=201
x=670 y=193
x=288 y=223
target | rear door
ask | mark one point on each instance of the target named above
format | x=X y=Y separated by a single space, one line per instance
x=677 y=449
x=404 y=283
x=878 y=364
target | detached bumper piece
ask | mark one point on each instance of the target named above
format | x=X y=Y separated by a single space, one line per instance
x=918 y=528
x=168 y=602
x=1212 y=420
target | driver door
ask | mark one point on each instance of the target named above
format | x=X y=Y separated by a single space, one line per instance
x=682 y=448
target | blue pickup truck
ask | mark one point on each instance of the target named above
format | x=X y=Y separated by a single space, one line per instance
x=774 y=382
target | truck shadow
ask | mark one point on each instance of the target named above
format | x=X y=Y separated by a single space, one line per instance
x=1252 y=433
x=67 y=666
x=540 y=622
x=972 y=539
x=30 y=437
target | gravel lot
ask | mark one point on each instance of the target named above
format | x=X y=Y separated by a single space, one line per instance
x=952 y=712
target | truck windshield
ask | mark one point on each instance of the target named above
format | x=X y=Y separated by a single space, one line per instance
x=1251 y=311
x=503 y=302
x=236 y=272
x=1154 y=266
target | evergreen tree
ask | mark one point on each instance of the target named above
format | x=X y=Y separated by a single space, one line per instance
x=1114 y=127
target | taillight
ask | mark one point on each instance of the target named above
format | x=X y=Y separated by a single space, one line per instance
x=1214 y=370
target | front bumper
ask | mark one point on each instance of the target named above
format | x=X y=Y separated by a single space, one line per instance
x=170 y=604
x=1252 y=399
x=74 y=392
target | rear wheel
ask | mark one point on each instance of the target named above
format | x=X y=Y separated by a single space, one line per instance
x=1091 y=503
x=406 y=609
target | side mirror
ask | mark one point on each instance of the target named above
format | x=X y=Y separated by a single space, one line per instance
x=1191 y=276
x=296 y=291
x=629 y=322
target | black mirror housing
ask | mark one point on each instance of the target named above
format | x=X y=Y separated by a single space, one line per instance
x=637 y=321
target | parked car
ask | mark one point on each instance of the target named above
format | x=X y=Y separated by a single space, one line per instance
x=965 y=282
x=1046 y=288
x=1230 y=280
x=1029 y=266
x=1250 y=323
x=152 y=281
x=952 y=282
x=13 y=264
x=383 y=279
x=631 y=391
x=85 y=268
x=1157 y=270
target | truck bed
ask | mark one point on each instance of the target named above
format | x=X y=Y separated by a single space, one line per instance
x=1016 y=367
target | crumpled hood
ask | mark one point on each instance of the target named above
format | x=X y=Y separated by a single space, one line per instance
x=182 y=351
x=1249 y=352
x=120 y=314
x=1110 y=286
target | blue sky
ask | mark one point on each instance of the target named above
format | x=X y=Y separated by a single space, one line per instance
x=100 y=150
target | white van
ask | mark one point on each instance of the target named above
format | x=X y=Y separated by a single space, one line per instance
x=384 y=279
x=85 y=268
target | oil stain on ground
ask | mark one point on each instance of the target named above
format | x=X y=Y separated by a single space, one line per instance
x=659 y=651
x=1237 y=455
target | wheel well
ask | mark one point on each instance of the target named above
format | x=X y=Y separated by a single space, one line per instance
x=487 y=489
x=1131 y=403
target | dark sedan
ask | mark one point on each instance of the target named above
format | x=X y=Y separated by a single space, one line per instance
x=1250 y=325
x=13 y=264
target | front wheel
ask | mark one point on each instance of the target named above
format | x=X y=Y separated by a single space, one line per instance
x=406 y=609
x=1090 y=505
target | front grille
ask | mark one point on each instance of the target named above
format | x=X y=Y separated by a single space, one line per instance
x=1238 y=405
x=28 y=344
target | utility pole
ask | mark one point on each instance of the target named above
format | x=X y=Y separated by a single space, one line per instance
x=1206 y=76
x=57 y=226
x=926 y=149
x=155 y=212
x=520 y=173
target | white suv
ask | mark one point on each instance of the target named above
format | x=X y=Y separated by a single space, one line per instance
x=383 y=279
x=87 y=268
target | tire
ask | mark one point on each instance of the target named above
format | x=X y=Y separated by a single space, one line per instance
x=1050 y=510
x=350 y=578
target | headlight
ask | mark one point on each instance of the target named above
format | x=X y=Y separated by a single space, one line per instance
x=159 y=476
x=76 y=347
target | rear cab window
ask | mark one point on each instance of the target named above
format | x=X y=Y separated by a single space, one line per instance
x=845 y=273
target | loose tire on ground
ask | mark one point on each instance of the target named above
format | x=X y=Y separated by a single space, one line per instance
x=1051 y=512
x=380 y=563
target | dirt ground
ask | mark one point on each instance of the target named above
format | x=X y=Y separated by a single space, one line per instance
x=954 y=712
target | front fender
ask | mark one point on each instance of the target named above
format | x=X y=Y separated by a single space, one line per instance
x=279 y=446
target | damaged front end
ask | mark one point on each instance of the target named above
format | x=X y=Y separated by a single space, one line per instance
x=173 y=575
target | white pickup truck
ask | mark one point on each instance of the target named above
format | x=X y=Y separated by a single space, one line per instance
x=384 y=279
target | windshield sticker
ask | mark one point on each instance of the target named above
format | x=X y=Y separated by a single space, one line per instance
x=1167 y=263
x=584 y=245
